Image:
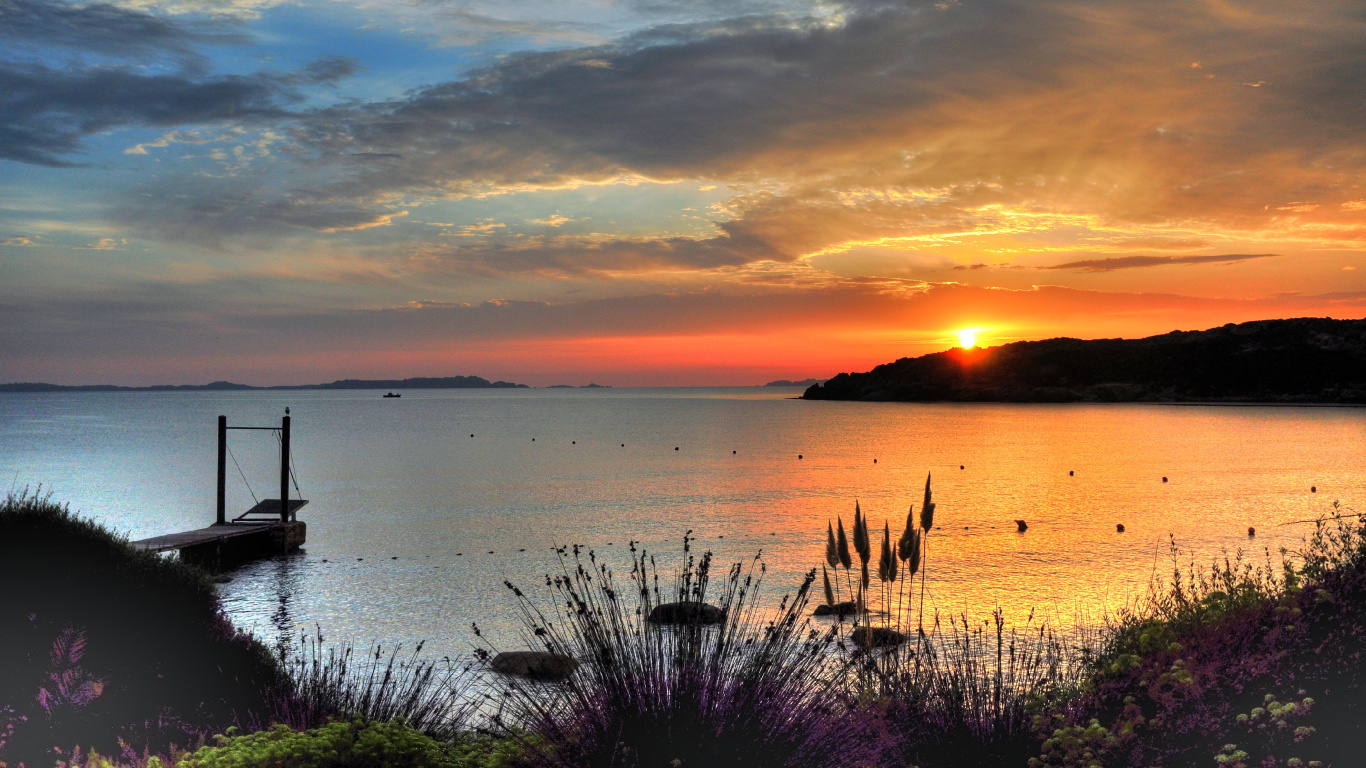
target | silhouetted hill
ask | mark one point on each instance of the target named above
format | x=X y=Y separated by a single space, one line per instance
x=790 y=383
x=442 y=382
x=1304 y=360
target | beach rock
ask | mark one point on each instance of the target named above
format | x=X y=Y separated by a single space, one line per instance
x=687 y=613
x=536 y=665
x=867 y=638
x=841 y=609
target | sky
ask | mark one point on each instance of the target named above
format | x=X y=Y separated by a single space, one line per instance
x=660 y=192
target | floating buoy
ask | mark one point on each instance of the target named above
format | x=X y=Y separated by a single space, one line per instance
x=459 y=554
x=960 y=466
x=1251 y=531
x=1164 y=478
x=722 y=536
x=623 y=445
x=874 y=461
x=799 y=455
x=1070 y=473
x=533 y=439
x=675 y=447
x=490 y=551
x=1119 y=528
x=732 y=453
x=573 y=442
x=471 y=434
x=359 y=559
x=521 y=550
x=1021 y=526
x=393 y=558
x=1313 y=489
x=324 y=559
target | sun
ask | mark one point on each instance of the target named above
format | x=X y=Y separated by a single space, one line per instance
x=967 y=338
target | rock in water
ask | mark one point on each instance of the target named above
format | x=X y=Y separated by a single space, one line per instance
x=687 y=613
x=877 y=637
x=536 y=665
x=1021 y=526
x=841 y=609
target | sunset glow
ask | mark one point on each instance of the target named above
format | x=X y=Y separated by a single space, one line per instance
x=496 y=190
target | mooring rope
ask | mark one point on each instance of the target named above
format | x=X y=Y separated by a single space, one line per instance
x=243 y=474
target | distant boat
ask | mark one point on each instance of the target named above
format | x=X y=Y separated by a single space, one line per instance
x=391 y=394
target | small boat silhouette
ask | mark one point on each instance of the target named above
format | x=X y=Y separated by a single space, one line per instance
x=391 y=394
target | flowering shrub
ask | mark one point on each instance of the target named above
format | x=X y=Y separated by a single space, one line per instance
x=1239 y=666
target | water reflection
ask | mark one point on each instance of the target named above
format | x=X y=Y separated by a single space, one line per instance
x=403 y=479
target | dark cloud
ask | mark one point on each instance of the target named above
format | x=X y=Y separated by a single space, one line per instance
x=124 y=68
x=45 y=113
x=107 y=30
x=1134 y=262
x=325 y=71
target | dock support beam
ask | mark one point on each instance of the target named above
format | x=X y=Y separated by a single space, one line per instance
x=222 y=470
x=284 y=470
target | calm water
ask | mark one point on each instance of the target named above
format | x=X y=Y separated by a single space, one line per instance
x=405 y=505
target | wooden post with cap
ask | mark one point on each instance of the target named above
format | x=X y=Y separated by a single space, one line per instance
x=222 y=470
x=284 y=470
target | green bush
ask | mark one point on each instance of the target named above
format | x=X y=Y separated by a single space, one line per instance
x=355 y=744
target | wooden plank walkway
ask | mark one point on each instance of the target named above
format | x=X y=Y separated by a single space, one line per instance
x=202 y=536
x=266 y=517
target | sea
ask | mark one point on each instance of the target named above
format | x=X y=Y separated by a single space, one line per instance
x=420 y=508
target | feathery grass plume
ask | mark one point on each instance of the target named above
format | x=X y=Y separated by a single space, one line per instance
x=861 y=542
x=904 y=541
x=908 y=551
x=865 y=574
x=926 y=523
x=927 y=509
x=908 y=543
x=829 y=593
x=832 y=555
x=886 y=564
x=761 y=684
x=842 y=545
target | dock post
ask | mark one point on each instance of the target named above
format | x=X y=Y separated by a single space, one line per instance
x=222 y=470
x=284 y=470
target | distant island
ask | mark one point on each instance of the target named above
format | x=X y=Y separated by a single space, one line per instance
x=788 y=383
x=585 y=386
x=1303 y=360
x=440 y=382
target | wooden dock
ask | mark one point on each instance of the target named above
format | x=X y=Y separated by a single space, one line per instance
x=214 y=534
x=269 y=528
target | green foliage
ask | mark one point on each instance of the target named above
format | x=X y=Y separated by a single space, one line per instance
x=354 y=744
x=1076 y=746
x=1194 y=600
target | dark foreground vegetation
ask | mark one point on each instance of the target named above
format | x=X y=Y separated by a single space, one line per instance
x=1304 y=360
x=124 y=659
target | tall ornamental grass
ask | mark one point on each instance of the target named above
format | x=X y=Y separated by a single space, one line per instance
x=757 y=689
